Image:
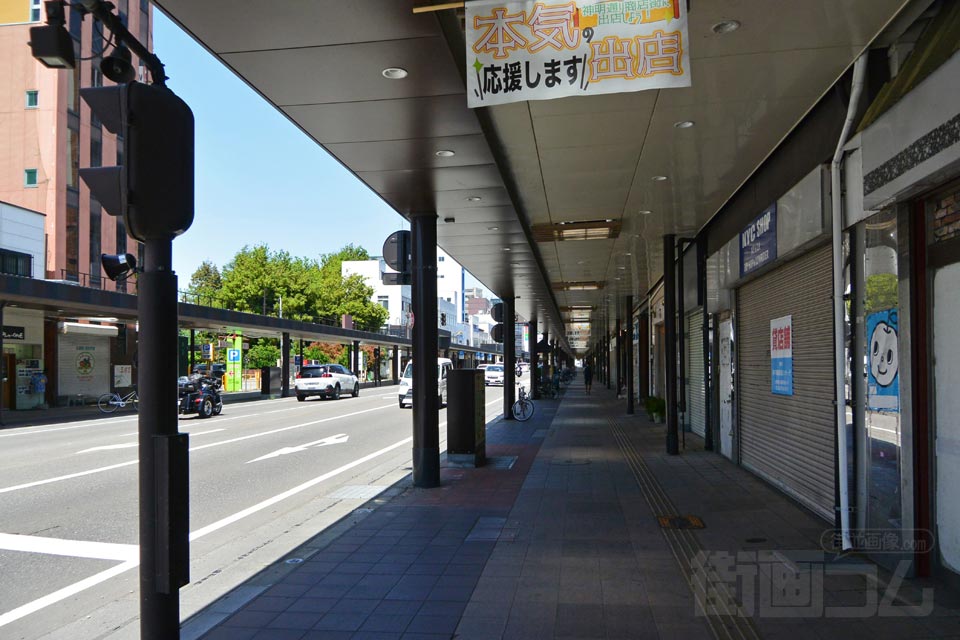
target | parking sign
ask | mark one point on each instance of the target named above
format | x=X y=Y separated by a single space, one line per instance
x=233 y=355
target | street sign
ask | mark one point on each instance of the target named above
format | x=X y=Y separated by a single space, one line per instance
x=233 y=355
x=206 y=350
x=396 y=251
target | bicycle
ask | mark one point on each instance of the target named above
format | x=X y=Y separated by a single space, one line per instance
x=523 y=408
x=110 y=402
x=547 y=389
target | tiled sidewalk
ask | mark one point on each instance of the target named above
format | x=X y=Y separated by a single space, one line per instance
x=566 y=543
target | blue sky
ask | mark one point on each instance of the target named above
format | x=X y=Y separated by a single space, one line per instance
x=259 y=178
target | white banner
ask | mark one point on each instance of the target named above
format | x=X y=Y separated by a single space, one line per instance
x=539 y=51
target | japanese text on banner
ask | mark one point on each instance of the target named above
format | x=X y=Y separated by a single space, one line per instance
x=540 y=50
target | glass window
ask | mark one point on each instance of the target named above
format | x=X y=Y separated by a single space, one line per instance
x=877 y=312
x=440 y=258
x=32 y=99
x=121 y=240
x=95 y=225
x=73 y=243
x=96 y=149
x=29 y=177
x=15 y=263
x=34 y=10
x=73 y=157
x=384 y=301
x=75 y=18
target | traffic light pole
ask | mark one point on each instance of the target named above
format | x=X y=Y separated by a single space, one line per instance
x=164 y=498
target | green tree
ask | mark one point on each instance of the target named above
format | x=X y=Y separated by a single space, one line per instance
x=205 y=284
x=264 y=353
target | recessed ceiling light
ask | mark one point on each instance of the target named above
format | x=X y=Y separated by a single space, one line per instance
x=727 y=26
x=449 y=220
x=493 y=228
x=684 y=124
x=622 y=268
x=474 y=199
x=516 y=264
x=394 y=73
x=581 y=261
x=628 y=254
x=445 y=153
x=506 y=248
x=644 y=212
x=658 y=178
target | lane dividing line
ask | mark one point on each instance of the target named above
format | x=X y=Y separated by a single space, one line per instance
x=120 y=465
x=103 y=576
x=130 y=445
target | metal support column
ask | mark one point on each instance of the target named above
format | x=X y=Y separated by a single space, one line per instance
x=509 y=356
x=285 y=365
x=355 y=361
x=629 y=355
x=670 y=340
x=163 y=452
x=606 y=359
x=396 y=364
x=193 y=350
x=534 y=360
x=618 y=353
x=300 y=351
x=423 y=291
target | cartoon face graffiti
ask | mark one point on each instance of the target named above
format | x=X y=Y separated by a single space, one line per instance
x=884 y=354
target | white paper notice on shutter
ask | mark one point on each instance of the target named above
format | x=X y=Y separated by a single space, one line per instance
x=541 y=50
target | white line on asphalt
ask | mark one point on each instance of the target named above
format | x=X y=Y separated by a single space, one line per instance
x=340 y=438
x=79 y=425
x=72 y=548
x=295 y=426
x=130 y=445
x=88 y=472
x=69 y=476
x=219 y=524
x=66 y=592
x=103 y=576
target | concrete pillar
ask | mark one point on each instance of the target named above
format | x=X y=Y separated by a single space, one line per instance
x=629 y=355
x=509 y=356
x=285 y=365
x=534 y=359
x=670 y=340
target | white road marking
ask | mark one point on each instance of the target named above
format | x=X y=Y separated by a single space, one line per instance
x=72 y=548
x=340 y=438
x=103 y=576
x=130 y=445
x=88 y=472
x=220 y=524
x=27 y=431
x=295 y=426
x=69 y=476
x=67 y=592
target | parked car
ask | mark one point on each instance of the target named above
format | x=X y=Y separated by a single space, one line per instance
x=482 y=366
x=493 y=375
x=326 y=381
x=444 y=365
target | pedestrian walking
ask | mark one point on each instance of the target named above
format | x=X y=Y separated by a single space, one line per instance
x=587 y=377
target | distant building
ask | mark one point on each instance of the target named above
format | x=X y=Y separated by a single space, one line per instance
x=477 y=306
x=394 y=298
x=48 y=133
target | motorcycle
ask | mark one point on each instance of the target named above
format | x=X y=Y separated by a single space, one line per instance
x=199 y=395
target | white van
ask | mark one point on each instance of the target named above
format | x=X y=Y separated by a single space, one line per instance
x=444 y=365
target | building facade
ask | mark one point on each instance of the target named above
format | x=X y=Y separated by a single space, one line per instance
x=49 y=133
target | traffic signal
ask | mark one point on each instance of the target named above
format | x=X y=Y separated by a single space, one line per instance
x=443 y=319
x=153 y=189
x=497 y=331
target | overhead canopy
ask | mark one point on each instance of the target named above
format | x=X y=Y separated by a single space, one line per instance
x=521 y=169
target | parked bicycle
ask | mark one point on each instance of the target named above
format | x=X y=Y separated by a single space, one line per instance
x=110 y=402
x=547 y=390
x=523 y=408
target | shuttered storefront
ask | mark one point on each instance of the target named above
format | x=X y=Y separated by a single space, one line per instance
x=789 y=440
x=696 y=402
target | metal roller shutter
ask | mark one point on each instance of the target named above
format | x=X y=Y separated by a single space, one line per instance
x=789 y=440
x=696 y=409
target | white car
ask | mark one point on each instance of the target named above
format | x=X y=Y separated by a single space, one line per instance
x=444 y=365
x=326 y=381
x=493 y=375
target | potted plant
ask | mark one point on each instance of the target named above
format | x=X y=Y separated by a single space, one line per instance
x=656 y=408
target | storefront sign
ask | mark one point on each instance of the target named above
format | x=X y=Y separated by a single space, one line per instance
x=539 y=51
x=14 y=333
x=781 y=356
x=758 y=242
x=883 y=381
